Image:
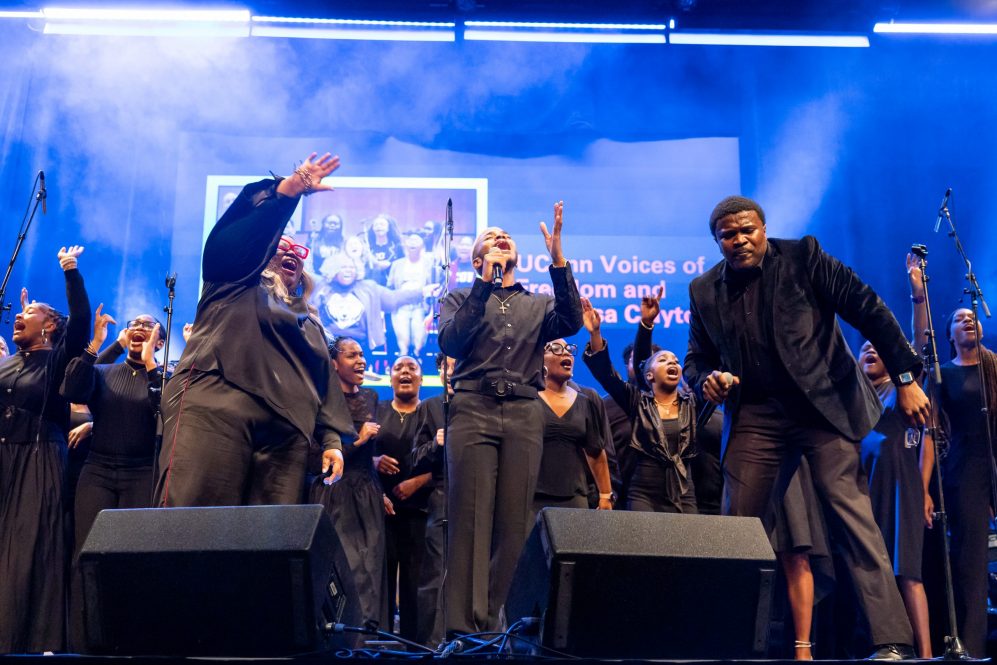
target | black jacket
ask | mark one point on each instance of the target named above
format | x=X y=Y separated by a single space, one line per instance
x=806 y=289
x=261 y=345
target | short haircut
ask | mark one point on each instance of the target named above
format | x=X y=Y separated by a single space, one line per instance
x=731 y=206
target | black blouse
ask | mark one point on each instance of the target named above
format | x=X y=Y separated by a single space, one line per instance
x=32 y=408
x=566 y=441
x=124 y=401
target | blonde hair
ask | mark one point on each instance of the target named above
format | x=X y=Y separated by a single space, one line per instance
x=272 y=282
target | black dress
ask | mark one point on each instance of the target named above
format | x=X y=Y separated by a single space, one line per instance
x=33 y=425
x=356 y=505
x=895 y=486
x=966 y=478
x=429 y=457
x=562 y=481
x=405 y=531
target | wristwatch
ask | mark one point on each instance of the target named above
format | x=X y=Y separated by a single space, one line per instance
x=904 y=379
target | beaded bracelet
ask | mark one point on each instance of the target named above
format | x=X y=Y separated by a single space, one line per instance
x=306 y=178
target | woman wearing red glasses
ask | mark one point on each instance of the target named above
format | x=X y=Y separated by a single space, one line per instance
x=253 y=385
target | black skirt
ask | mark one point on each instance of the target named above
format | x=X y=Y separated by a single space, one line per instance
x=32 y=547
x=356 y=505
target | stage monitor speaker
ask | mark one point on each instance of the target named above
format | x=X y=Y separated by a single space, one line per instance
x=229 y=581
x=616 y=584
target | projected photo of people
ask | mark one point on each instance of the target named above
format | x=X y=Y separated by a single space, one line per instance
x=377 y=254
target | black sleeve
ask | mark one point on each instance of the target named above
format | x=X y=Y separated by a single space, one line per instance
x=595 y=435
x=564 y=319
x=858 y=305
x=641 y=352
x=80 y=379
x=702 y=357
x=242 y=242
x=624 y=394
x=110 y=355
x=425 y=451
x=461 y=316
x=77 y=334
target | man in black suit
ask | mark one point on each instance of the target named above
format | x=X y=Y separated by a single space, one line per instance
x=764 y=339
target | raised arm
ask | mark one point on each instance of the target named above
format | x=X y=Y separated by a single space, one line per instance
x=919 y=317
x=242 y=242
x=564 y=319
x=77 y=331
x=596 y=358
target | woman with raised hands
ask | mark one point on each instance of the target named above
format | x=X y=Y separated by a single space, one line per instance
x=34 y=420
x=254 y=384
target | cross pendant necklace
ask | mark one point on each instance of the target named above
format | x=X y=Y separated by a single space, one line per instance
x=502 y=303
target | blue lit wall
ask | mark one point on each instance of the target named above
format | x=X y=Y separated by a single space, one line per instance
x=853 y=146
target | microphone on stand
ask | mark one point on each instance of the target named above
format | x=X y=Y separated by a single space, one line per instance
x=450 y=218
x=942 y=209
x=42 y=192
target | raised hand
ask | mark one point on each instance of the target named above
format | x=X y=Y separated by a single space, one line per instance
x=650 y=307
x=100 y=323
x=149 y=347
x=590 y=316
x=553 y=239
x=68 y=257
x=24 y=299
x=188 y=330
x=914 y=274
x=307 y=178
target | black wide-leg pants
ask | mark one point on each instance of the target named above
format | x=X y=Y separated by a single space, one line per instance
x=493 y=458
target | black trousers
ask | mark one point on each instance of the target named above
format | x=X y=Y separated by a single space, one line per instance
x=225 y=447
x=101 y=487
x=405 y=547
x=493 y=456
x=430 y=597
x=763 y=453
x=967 y=501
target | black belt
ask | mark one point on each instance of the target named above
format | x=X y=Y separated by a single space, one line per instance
x=499 y=388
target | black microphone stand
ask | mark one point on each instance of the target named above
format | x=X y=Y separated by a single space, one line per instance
x=171 y=282
x=977 y=301
x=954 y=649
x=39 y=196
x=445 y=380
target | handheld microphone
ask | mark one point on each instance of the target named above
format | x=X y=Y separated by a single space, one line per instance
x=497 y=275
x=942 y=209
x=42 y=192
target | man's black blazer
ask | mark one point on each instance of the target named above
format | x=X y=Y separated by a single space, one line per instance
x=804 y=288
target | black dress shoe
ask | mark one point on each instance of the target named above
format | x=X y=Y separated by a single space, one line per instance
x=893 y=652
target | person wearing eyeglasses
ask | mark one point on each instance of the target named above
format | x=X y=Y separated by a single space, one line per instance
x=123 y=400
x=573 y=438
x=662 y=421
x=254 y=383
x=496 y=331
x=34 y=420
